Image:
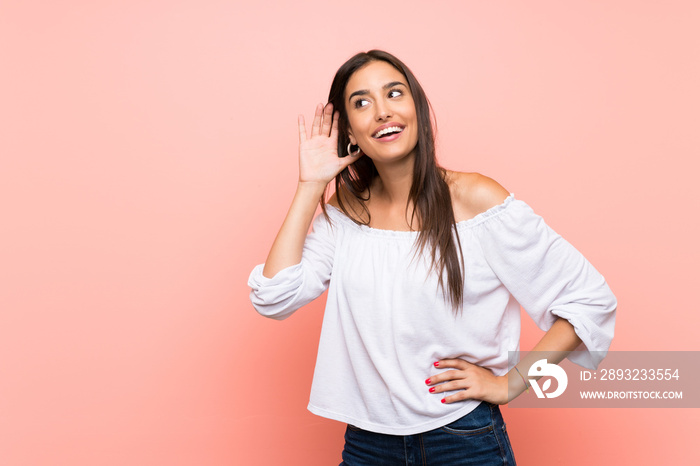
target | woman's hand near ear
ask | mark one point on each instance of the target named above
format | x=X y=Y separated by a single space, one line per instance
x=319 y=163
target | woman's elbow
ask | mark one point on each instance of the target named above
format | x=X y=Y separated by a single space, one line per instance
x=276 y=311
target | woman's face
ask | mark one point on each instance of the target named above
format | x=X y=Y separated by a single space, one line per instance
x=381 y=112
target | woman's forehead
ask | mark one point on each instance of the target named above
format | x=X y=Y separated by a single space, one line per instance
x=374 y=75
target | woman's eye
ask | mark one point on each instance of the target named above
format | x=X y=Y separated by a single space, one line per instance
x=360 y=103
x=395 y=93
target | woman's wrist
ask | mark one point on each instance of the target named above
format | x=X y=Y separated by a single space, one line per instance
x=516 y=384
x=312 y=188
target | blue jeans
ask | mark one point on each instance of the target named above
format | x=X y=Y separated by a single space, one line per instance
x=479 y=439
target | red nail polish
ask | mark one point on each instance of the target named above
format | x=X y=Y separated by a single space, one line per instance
x=427 y=381
x=436 y=364
x=432 y=390
x=442 y=401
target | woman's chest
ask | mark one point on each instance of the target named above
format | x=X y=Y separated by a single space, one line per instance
x=390 y=265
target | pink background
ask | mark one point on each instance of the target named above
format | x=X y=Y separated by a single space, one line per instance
x=148 y=155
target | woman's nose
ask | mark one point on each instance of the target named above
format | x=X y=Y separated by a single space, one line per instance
x=382 y=111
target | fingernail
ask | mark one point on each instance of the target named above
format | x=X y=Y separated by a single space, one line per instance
x=436 y=364
x=427 y=381
x=442 y=401
x=432 y=390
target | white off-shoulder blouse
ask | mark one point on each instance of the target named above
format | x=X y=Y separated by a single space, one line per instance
x=387 y=321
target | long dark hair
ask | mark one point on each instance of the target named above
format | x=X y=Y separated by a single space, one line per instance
x=430 y=194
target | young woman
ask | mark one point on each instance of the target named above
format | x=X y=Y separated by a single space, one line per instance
x=426 y=270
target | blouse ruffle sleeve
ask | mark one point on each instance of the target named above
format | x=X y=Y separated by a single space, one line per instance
x=549 y=277
x=295 y=286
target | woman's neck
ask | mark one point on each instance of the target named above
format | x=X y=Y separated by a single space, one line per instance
x=394 y=182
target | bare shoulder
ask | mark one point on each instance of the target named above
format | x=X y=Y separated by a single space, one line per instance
x=473 y=193
x=353 y=207
x=333 y=200
x=348 y=201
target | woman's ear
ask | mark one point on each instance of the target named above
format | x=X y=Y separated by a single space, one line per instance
x=352 y=138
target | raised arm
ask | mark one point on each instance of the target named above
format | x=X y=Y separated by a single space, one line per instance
x=319 y=163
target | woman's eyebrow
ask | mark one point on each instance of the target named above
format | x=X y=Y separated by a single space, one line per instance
x=385 y=86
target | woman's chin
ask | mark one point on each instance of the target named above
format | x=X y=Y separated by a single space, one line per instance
x=390 y=157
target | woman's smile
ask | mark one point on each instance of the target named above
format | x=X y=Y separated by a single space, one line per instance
x=388 y=132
